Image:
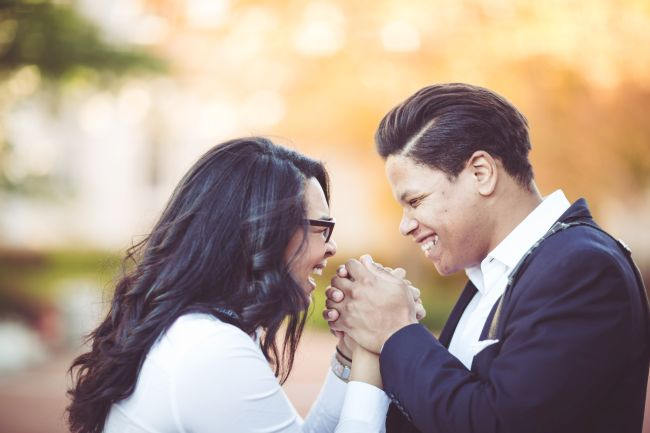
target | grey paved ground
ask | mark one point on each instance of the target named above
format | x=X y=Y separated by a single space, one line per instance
x=33 y=401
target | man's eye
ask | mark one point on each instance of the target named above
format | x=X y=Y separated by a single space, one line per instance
x=414 y=202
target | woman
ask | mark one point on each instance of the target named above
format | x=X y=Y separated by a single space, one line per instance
x=191 y=331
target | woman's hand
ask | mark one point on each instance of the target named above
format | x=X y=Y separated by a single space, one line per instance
x=346 y=345
x=365 y=367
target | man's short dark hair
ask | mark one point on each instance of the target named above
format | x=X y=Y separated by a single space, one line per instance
x=444 y=124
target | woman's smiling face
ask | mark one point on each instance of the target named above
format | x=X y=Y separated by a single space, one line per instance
x=312 y=258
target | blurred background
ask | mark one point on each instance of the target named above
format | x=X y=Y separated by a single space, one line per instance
x=104 y=104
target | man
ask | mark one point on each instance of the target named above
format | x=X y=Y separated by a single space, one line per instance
x=551 y=333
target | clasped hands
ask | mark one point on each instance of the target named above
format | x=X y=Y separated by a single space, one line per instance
x=369 y=302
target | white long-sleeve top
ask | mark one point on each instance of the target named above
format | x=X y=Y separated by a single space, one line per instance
x=204 y=375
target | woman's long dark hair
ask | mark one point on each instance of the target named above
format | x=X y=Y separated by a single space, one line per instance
x=218 y=248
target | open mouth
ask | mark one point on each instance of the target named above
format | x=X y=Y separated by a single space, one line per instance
x=317 y=270
x=428 y=244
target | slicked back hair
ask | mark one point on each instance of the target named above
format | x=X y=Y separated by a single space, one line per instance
x=442 y=125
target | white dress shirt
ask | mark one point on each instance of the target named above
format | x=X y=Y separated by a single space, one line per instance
x=204 y=375
x=491 y=277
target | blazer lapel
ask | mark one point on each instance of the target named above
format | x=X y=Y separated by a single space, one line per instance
x=578 y=210
x=450 y=326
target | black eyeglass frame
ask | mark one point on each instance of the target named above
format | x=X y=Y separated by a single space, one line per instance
x=324 y=223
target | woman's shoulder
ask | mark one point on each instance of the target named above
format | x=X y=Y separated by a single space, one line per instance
x=199 y=334
x=201 y=325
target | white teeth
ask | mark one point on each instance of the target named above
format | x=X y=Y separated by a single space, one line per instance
x=317 y=271
x=426 y=246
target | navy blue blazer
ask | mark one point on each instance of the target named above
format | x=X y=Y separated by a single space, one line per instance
x=572 y=356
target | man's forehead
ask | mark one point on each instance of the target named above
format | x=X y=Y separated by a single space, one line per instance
x=402 y=170
x=396 y=167
x=397 y=174
x=407 y=176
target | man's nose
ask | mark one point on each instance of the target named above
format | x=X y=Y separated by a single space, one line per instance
x=407 y=225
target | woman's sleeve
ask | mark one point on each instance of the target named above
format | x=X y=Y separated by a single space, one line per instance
x=226 y=385
x=341 y=408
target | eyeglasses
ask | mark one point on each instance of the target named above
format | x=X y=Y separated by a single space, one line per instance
x=329 y=224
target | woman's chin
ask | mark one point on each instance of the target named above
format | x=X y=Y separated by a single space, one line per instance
x=311 y=285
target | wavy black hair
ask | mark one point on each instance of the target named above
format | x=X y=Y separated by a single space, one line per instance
x=218 y=248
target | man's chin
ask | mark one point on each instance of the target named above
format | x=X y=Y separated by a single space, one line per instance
x=444 y=269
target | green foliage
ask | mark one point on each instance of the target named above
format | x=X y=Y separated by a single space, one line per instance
x=38 y=275
x=59 y=41
x=34 y=278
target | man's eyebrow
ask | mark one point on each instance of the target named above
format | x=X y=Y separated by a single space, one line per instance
x=405 y=194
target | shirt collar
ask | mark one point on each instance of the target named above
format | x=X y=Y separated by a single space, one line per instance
x=512 y=248
x=475 y=275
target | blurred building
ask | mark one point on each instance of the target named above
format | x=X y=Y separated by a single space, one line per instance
x=318 y=76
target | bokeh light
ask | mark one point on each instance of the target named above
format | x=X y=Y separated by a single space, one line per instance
x=91 y=146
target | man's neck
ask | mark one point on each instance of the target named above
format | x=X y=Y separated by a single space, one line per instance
x=514 y=206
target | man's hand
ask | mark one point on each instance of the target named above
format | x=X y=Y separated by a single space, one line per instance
x=337 y=296
x=369 y=303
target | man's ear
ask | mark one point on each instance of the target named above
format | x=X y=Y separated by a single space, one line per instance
x=483 y=169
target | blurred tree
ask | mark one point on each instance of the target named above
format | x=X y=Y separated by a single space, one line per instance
x=56 y=39
x=49 y=42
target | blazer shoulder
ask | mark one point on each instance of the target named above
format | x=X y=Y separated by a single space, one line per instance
x=580 y=262
x=584 y=247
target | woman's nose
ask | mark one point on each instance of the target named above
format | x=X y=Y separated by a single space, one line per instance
x=331 y=248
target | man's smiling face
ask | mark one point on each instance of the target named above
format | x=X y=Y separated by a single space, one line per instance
x=443 y=216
